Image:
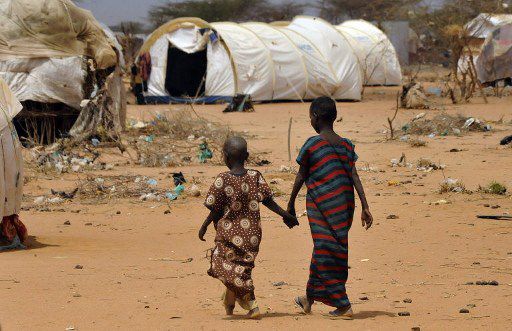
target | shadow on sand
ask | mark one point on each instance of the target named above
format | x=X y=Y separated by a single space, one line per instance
x=361 y=315
x=32 y=243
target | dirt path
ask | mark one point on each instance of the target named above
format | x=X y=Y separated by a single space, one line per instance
x=143 y=269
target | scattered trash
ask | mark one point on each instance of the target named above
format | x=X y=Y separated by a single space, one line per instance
x=452 y=185
x=444 y=125
x=178 y=178
x=205 y=153
x=417 y=143
x=436 y=91
x=495 y=217
x=427 y=166
x=263 y=162
x=194 y=191
x=505 y=141
x=95 y=142
x=152 y=182
x=284 y=168
x=440 y=202
x=240 y=103
x=149 y=197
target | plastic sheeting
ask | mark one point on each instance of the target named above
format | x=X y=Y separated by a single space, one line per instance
x=49 y=29
x=11 y=160
x=47 y=80
x=377 y=56
x=495 y=60
x=305 y=59
x=484 y=24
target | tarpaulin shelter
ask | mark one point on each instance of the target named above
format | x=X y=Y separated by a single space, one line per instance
x=61 y=65
x=377 y=56
x=11 y=159
x=302 y=59
x=495 y=60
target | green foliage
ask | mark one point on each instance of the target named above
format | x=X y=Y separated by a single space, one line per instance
x=494 y=188
x=225 y=10
x=375 y=10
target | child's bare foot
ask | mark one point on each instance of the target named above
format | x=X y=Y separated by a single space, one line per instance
x=304 y=303
x=342 y=313
x=254 y=313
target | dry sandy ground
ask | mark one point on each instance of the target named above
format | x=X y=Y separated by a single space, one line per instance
x=136 y=276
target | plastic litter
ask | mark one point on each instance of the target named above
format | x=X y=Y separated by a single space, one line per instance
x=205 y=153
x=178 y=178
x=152 y=182
x=95 y=142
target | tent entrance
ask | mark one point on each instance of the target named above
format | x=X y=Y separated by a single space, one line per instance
x=186 y=73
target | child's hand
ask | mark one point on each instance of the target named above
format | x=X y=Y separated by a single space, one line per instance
x=291 y=210
x=202 y=232
x=366 y=219
x=290 y=220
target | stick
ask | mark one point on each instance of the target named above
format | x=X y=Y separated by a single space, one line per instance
x=289 y=140
x=495 y=217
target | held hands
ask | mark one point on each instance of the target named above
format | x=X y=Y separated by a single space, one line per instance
x=290 y=220
x=366 y=219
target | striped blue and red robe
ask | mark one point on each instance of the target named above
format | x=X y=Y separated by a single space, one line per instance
x=330 y=208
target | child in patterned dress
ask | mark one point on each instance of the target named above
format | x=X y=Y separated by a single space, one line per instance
x=233 y=201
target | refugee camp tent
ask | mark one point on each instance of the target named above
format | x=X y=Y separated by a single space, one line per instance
x=484 y=24
x=495 y=60
x=300 y=60
x=59 y=62
x=377 y=56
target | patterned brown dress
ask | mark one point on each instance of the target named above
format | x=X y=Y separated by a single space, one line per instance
x=239 y=231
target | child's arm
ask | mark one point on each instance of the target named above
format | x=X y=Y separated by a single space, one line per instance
x=213 y=217
x=289 y=220
x=366 y=216
x=299 y=181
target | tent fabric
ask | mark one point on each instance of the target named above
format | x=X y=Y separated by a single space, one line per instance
x=484 y=24
x=302 y=59
x=375 y=52
x=495 y=60
x=11 y=159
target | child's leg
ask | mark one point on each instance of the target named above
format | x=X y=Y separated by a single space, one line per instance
x=229 y=299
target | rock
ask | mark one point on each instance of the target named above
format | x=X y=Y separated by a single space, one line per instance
x=407 y=300
x=67 y=223
x=415 y=328
x=471 y=305
x=39 y=200
x=76 y=295
x=496 y=207
x=404 y=313
x=494 y=283
x=279 y=283
x=392 y=217
x=88 y=224
x=118 y=212
x=364 y=298
x=79 y=267
x=464 y=311
x=167 y=212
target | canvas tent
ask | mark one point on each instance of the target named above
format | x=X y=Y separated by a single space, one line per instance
x=303 y=59
x=377 y=56
x=484 y=24
x=60 y=64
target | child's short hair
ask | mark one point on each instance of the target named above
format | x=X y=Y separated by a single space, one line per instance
x=324 y=108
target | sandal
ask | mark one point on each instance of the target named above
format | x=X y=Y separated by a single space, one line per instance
x=303 y=303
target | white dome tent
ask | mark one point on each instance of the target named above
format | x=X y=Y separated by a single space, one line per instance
x=193 y=59
x=377 y=56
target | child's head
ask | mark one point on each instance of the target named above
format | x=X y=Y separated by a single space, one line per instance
x=322 y=113
x=235 y=151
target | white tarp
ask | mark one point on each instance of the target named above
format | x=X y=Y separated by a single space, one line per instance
x=484 y=24
x=307 y=59
x=11 y=160
x=46 y=80
x=377 y=56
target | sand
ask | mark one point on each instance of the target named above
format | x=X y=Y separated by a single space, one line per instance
x=143 y=269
